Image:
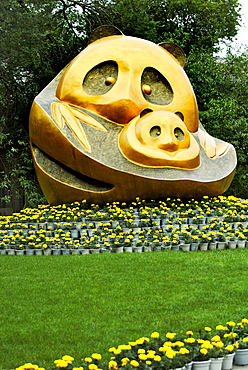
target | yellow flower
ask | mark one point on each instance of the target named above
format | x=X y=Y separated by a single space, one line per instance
x=230 y=323
x=218 y=344
x=142 y=356
x=96 y=356
x=151 y=354
x=207 y=345
x=189 y=332
x=204 y=351
x=229 y=348
x=157 y=358
x=28 y=365
x=124 y=347
x=183 y=351
x=155 y=334
x=148 y=362
x=189 y=340
x=170 y=353
x=221 y=327
x=61 y=363
x=216 y=338
x=134 y=363
x=68 y=359
x=112 y=364
x=92 y=367
x=244 y=321
x=207 y=328
x=141 y=350
x=124 y=361
x=170 y=335
x=88 y=359
x=117 y=351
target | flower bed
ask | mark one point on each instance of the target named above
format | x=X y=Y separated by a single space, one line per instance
x=81 y=228
x=171 y=351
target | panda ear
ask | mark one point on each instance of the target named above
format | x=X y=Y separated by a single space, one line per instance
x=103 y=31
x=176 y=51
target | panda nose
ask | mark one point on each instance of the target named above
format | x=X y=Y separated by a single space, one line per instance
x=166 y=139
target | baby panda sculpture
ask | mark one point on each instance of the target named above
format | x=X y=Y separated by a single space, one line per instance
x=120 y=122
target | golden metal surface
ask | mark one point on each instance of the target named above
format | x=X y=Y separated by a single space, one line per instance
x=121 y=121
x=159 y=139
x=132 y=62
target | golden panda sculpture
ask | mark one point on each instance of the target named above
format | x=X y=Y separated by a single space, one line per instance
x=120 y=122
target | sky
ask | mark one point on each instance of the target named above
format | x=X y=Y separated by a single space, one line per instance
x=242 y=36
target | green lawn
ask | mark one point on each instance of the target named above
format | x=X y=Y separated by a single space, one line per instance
x=77 y=305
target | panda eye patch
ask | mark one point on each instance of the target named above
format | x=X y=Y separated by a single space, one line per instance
x=160 y=91
x=101 y=78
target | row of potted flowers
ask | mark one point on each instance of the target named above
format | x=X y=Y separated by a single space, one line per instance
x=230 y=208
x=208 y=349
x=102 y=238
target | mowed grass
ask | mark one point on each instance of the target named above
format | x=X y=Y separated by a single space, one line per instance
x=76 y=305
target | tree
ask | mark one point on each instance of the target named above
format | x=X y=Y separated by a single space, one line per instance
x=39 y=38
x=192 y=24
x=221 y=89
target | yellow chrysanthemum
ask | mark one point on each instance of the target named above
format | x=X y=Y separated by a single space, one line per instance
x=230 y=348
x=218 y=344
x=112 y=364
x=124 y=361
x=151 y=354
x=230 y=323
x=207 y=328
x=183 y=351
x=61 y=363
x=67 y=358
x=117 y=351
x=134 y=363
x=96 y=356
x=170 y=353
x=189 y=332
x=170 y=335
x=93 y=367
x=157 y=358
x=189 y=340
x=215 y=338
x=155 y=334
x=88 y=359
x=142 y=356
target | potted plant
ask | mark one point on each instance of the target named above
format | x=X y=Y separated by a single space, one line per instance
x=175 y=241
x=212 y=240
x=228 y=352
x=241 y=240
x=186 y=240
x=221 y=240
x=203 y=245
x=232 y=241
x=241 y=353
x=201 y=359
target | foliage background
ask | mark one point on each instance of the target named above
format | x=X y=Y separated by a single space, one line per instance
x=39 y=38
